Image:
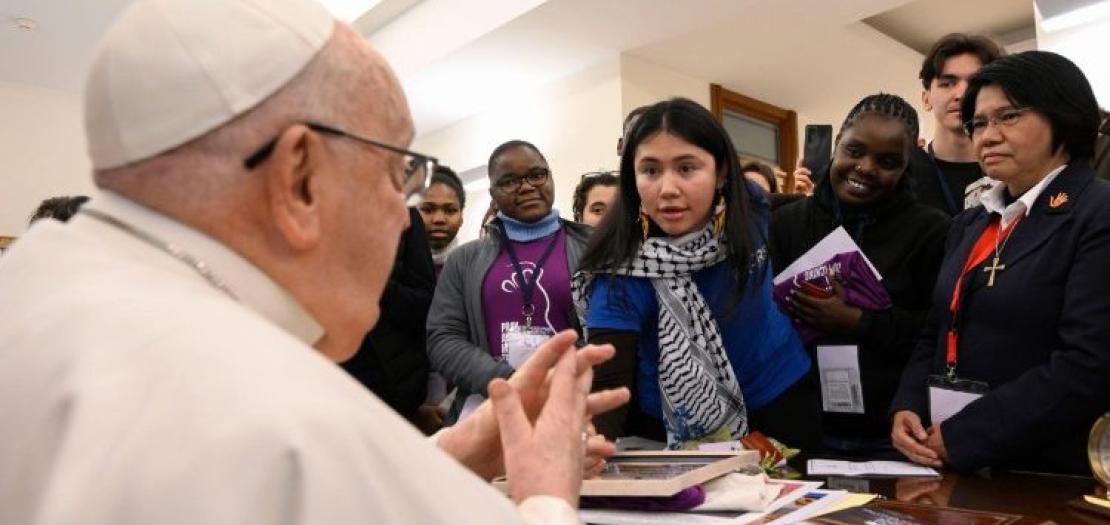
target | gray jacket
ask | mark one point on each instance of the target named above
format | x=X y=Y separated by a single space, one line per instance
x=458 y=346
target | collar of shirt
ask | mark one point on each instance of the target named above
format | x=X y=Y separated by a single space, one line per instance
x=251 y=286
x=994 y=199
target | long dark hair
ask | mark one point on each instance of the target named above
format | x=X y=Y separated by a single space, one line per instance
x=618 y=237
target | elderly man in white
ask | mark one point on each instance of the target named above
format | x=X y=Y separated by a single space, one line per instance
x=168 y=355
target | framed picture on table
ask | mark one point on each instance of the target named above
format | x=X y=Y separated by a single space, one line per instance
x=661 y=473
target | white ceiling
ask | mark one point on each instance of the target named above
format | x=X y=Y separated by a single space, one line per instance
x=57 y=53
x=456 y=57
x=922 y=22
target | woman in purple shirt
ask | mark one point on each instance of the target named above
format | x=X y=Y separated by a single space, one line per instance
x=500 y=295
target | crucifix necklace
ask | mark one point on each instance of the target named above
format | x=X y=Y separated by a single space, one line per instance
x=995 y=266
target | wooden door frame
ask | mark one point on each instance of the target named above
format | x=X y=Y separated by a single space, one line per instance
x=722 y=99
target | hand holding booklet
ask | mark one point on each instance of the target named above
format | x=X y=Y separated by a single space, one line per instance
x=836 y=257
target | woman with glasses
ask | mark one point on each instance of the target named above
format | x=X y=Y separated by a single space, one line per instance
x=1012 y=370
x=594 y=196
x=500 y=296
x=677 y=279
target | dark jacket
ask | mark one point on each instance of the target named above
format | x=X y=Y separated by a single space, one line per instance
x=456 y=328
x=391 y=361
x=1101 y=161
x=1040 y=337
x=905 y=241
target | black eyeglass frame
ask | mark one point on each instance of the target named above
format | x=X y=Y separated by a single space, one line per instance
x=517 y=182
x=417 y=159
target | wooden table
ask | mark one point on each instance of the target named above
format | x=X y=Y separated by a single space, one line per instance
x=1034 y=495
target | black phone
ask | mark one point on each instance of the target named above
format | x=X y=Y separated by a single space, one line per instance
x=818 y=147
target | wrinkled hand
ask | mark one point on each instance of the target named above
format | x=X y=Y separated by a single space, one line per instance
x=476 y=441
x=597 y=449
x=910 y=438
x=830 y=315
x=544 y=458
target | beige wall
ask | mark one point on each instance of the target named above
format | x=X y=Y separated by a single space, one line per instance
x=644 y=82
x=1086 y=45
x=575 y=122
x=42 y=144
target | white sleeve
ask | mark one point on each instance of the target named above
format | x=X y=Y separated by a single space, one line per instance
x=547 y=510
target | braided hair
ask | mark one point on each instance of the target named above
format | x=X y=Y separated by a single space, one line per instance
x=887 y=105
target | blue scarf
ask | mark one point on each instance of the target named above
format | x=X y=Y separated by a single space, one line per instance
x=518 y=231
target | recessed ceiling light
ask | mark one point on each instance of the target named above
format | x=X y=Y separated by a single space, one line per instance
x=26 y=24
x=350 y=10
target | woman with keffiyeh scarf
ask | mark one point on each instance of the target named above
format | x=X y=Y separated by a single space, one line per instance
x=677 y=279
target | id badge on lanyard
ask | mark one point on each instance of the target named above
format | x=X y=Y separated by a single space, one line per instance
x=948 y=395
x=520 y=341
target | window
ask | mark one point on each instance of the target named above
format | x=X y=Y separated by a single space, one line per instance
x=759 y=131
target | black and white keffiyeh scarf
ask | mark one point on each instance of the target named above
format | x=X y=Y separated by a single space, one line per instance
x=700 y=394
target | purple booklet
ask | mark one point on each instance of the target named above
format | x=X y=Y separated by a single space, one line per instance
x=862 y=288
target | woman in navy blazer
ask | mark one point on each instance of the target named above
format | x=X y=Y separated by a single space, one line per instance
x=1033 y=316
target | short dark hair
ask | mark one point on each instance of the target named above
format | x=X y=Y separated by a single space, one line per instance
x=1053 y=86
x=955 y=44
x=506 y=146
x=587 y=183
x=60 y=208
x=766 y=171
x=447 y=177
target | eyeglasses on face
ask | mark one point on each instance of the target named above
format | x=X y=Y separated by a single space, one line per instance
x=511 y=183
x=417 y=167
x=1004 y=118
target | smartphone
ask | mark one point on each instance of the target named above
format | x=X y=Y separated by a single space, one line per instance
x=818 y=147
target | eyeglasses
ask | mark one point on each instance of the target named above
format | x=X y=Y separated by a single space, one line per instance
x=511 y=184
x=417 y=167
x=1003 y=119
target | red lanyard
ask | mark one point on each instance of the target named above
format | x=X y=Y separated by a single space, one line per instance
x=987 y=243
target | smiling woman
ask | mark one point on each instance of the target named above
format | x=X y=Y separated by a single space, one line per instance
x=867 y=191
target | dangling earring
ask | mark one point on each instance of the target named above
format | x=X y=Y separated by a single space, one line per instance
x=645 y=225
x=719 y=216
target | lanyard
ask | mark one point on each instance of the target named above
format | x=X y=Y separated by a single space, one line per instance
x=528 y=289
x=984 y=246
x=949 y=200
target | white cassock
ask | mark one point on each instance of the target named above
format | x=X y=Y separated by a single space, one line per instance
x=132 y=391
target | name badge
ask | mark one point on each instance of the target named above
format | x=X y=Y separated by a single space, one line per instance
x=841 y=389
x=948 y=396
x=520 y=341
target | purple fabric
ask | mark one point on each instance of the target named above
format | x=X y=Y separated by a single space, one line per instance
x=502 y=299
x=685 y=499
x=861 y=288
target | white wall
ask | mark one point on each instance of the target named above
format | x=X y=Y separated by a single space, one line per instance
x=575 y=122
x=1087 y=45
x=644 y=82
x=42 y=147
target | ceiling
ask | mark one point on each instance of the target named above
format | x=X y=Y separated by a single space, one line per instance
x=920 y=23
x=457 y=57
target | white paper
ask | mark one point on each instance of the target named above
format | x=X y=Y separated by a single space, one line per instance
x=834 y=243
x=945 y=403
x=792 y=491
x=832 y=467
x=841 y=389
x=470 y=405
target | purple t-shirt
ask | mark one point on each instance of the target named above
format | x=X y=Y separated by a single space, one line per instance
x=502 y=298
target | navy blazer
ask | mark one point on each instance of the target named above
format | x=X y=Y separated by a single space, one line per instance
x=1040 y=337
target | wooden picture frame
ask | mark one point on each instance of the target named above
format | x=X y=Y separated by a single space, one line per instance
x=660 y=473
